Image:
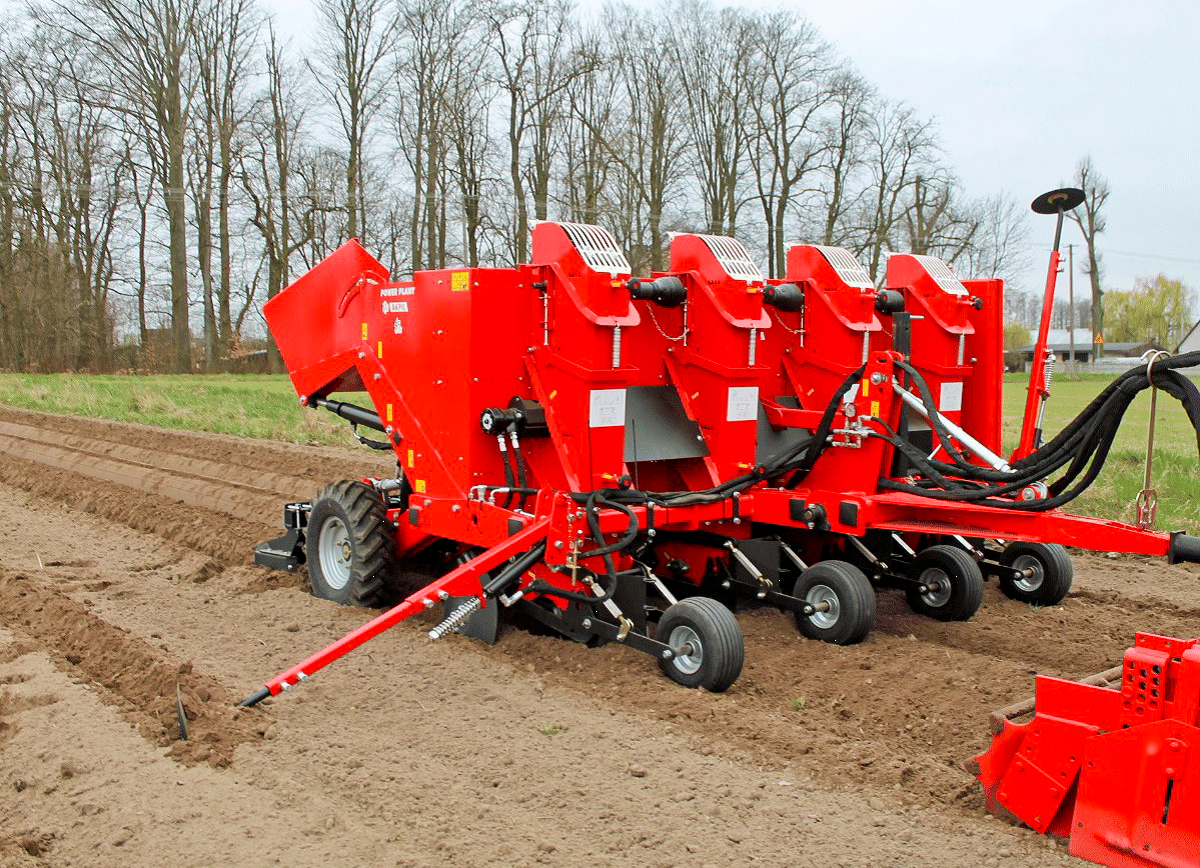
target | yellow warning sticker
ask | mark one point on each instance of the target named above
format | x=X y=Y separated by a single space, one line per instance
x=389 y=412
x=460 y=281
x=410 y=459
x=364 y=331
x=874 y=408
x=380 y=350
x=419 y=486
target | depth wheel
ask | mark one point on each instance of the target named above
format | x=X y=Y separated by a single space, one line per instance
x=844 y=602
x=708 y=644
x=1049 y=573
x=952 y=580
x=349 y=547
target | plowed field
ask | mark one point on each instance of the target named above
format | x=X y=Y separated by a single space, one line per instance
x=126 y=576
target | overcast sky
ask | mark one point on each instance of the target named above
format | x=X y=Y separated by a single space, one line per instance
x=1021 y=89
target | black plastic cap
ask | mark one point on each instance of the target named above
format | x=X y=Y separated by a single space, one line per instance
x=1183 y=549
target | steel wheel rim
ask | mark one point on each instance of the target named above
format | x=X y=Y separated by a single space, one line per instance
x=1031 y=583
x=824 y=594
x=941 y=596
x=689 y=663
x=335 y=553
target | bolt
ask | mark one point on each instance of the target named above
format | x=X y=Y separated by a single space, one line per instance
x=388 y=430
x=456 y=508
x=428 y=502
x=667 y=654
x=876 y=378
x=587 y=623
x=378 y=377
x=559 y=545
x=361 y=354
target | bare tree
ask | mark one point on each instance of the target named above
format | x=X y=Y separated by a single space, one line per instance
x=268 y=179
x=227 y=37
x=845 y=146
x=351 y=71
x=791 y=75
x=1091 y=221
x=535 y=67
x=430 y=69
x=901 y=146
x=595 y=105
x=142 y=47
x=714 y=51
x=997 y=248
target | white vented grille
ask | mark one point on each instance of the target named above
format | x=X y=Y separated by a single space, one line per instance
x=848 y=268
x=941 y=274
x=732 y=257
x=598 y=248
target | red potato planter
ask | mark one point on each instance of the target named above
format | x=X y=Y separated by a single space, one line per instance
x=623 y=459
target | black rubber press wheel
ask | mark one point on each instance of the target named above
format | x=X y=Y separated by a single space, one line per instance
x=953 y=584
x=349 y=547
x=845 y=601
x=708 y=643
x=1050 y=571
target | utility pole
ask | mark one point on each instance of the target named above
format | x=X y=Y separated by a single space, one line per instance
x=1071 y=302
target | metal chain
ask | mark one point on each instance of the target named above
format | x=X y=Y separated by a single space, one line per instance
x=799 y=332
x=654 y=319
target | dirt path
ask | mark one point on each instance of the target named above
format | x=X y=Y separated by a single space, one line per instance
x=124 y=574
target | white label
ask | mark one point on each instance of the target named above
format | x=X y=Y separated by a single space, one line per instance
x=394 y=307
x=743 y=404
x=951 y=397
x=608 y=408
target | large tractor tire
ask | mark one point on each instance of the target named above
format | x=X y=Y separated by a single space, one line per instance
x=349 y=548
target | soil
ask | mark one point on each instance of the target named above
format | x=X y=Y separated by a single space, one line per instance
x=126 y=583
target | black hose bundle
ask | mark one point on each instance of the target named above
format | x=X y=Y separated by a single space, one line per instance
x=1082 y=446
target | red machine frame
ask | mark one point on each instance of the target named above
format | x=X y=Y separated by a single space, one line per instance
x=541 y=360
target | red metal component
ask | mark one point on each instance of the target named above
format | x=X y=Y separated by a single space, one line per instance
x=1115 y=771
x=694 y=385
x=462 y=582
x=1036 y=391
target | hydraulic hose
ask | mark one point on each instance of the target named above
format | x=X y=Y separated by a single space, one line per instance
x=1084 y=444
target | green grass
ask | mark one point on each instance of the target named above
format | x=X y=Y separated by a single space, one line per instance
x=266 y=406
x=1176 y=470
x=248 y=405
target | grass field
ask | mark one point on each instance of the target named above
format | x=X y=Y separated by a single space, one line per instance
x=248 y=405
x=266 y=406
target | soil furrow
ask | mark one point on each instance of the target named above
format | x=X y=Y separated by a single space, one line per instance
x=891 y=718
x=127 y=672
x=212 y=472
